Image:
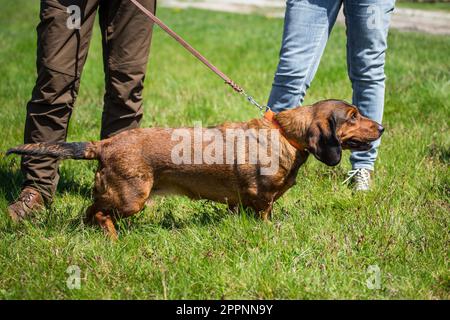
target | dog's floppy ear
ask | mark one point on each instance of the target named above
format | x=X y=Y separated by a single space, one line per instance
x=323 y=142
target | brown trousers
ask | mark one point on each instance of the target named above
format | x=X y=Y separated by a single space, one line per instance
x=61 y=54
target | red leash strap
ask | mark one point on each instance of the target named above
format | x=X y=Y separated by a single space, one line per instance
x=188 y=47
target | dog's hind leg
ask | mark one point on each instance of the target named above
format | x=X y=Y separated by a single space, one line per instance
x=94 y=215
x=117 y=198
x=107 y=224
x=89 y=218
x=132 y=196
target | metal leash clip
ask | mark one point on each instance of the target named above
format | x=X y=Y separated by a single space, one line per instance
x=261 y=108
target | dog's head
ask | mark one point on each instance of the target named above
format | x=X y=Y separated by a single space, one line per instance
x=337 y=125
x=329 y=126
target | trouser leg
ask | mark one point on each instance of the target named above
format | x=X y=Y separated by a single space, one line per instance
x=127 y=34
x=61 y=53
x=307 y=26
x=367 y=30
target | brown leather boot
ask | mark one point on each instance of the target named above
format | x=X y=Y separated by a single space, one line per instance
x=29 y=202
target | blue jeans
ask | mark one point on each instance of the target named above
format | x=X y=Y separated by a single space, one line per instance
x=308 y=24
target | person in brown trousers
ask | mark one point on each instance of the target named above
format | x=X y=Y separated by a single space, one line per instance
x=64 y=34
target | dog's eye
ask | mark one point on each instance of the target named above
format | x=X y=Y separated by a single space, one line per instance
x=354 y=116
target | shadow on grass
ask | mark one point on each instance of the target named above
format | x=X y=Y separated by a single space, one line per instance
x=171 y=215
x=10 y=186
x=11 y=181
x=441 y=153
x=208 y=213
x=10 y=177
x=200 y=218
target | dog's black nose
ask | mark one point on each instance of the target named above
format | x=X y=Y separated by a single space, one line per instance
x=380 y=129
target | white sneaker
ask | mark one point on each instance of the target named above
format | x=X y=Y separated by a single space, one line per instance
x=360 y=178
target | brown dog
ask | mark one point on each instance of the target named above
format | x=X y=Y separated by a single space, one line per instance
x=140 y=162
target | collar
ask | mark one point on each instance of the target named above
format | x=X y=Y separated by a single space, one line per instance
x=270 y=115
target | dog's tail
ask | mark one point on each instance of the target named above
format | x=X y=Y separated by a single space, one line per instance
x=60 y=151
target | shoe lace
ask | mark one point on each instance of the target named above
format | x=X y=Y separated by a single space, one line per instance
x=362 y=177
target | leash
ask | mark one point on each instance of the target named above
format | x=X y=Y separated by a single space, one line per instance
x=199 y=56
x=265 y=110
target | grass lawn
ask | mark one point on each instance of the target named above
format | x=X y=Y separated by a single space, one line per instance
x=322 y=238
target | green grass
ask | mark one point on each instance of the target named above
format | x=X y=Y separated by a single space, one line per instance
x=322 y=238
x=436 y=6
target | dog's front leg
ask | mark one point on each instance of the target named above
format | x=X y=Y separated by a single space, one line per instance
x=234 y=208
x=266 y=214
x=263 y=207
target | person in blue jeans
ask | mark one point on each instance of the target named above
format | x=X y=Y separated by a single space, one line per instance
x=307 y=26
